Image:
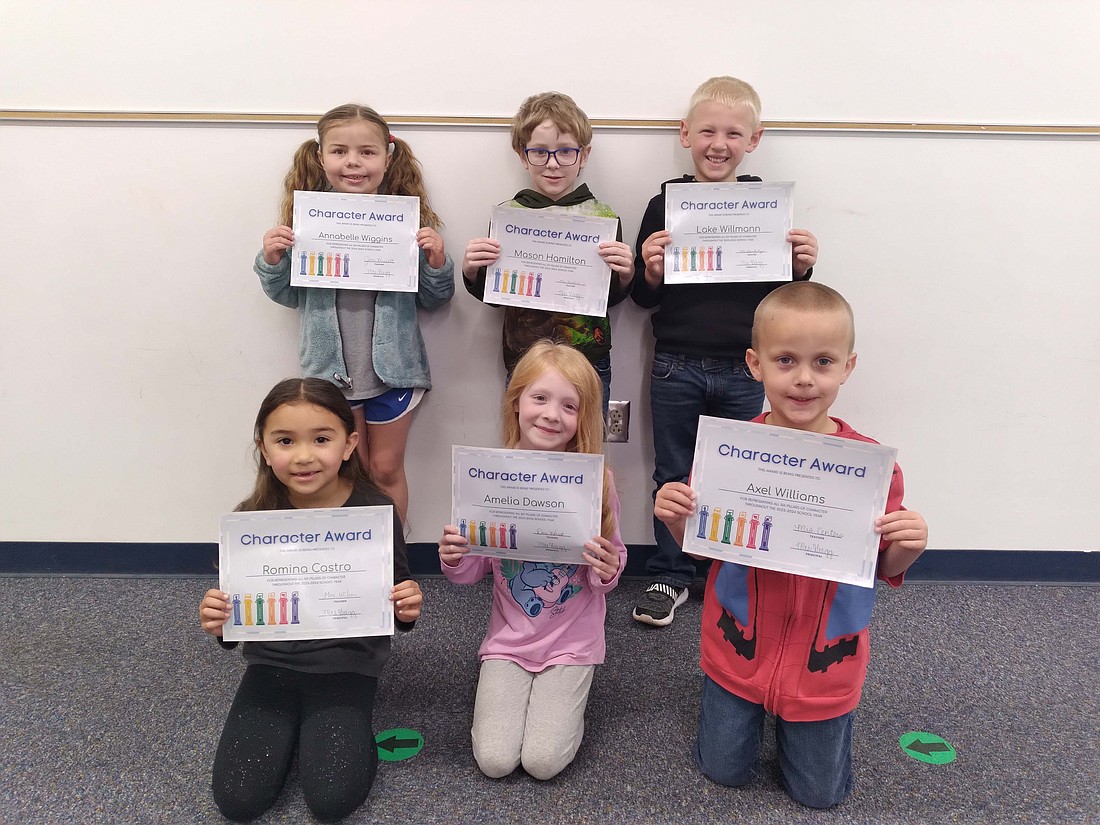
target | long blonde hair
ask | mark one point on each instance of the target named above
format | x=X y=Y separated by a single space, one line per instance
x=549 y=355
x=404 y=175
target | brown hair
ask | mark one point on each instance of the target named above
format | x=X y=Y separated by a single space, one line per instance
x=559 y=109
x=404 y=175
x=729 y=91
x=546 y=355
x=270 y=493
x=804 y=296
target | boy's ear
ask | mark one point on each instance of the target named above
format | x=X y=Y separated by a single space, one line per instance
x=685 y=129
x=585 y=152
x=849 y=365
x=754 y=141
x=353 y=442
x=752 y=361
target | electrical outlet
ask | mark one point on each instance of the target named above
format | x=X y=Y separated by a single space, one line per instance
x=618 y=422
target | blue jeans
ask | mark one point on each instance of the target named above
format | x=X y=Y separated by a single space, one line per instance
x=682 y=388
x=603 y=370
x=815 y=758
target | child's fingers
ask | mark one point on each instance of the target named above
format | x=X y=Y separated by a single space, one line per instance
x=617 y=258
x=602 y=557
x=408 y=607
x=899 y=517
x=675 y=501
x=483 y=245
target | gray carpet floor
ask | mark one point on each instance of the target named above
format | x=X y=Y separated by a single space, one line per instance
x=112 y=702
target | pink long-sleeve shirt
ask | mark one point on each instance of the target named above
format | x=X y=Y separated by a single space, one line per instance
x=544 y=613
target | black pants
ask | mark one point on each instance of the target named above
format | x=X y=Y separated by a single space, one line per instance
x=327 y=716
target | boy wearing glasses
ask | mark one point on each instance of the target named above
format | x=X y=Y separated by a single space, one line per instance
x=553 y=139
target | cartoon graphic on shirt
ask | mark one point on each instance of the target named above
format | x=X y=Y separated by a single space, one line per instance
x=847 y=607
x=538 y=585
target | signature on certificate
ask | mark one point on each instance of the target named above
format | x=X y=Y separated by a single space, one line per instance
x=824 y=534
x=339 y=614
x=814 y=549
x=343 y=595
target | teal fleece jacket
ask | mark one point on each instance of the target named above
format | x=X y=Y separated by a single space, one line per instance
x=397 y=347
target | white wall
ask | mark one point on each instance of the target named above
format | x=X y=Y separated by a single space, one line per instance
x=135 y=343
x=982 y=61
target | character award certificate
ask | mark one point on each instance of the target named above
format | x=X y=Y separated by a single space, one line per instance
x=527 y=504
x=355 y=241
x=788 y=500
x=307 y=574
x=724 y=232
x=549 y=261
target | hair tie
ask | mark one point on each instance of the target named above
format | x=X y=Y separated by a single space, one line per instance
x=391 y=146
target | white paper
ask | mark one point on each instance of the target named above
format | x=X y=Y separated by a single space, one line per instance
x=307 y=574
x=724 y=232
x=527 y=504
x=549 y=261
x=788 y=500
x=355 y=241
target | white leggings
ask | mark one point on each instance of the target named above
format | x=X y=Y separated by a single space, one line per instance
x=533 y=719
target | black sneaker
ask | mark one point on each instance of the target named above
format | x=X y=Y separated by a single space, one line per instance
x=658 y=604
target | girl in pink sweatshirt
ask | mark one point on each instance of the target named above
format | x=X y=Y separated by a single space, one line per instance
x=546 y=630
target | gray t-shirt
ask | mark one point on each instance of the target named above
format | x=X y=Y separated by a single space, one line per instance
x=355 y=316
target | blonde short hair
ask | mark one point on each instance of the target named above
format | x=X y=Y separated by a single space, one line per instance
x=559 y=109
x=804 y=296
x=729 y=91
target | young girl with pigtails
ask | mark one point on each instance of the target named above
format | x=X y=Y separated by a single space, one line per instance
x=546 y=628
x=368 y=343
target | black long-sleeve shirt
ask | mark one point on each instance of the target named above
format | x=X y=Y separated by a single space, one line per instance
x=701 y=320
x=364 y=654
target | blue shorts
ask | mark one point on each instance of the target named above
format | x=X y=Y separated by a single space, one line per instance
x=389 y=406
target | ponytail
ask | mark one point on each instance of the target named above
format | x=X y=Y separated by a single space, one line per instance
x=405 y=176
x=306 y=175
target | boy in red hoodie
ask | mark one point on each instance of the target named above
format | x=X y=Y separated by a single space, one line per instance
x=775 y=642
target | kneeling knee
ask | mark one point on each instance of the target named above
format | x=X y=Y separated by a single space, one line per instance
x=815 y=797
x=495 y=765
x=814 y=800
x=544 y=763
x=238 y=808
x=331 y=807
x=730 y=775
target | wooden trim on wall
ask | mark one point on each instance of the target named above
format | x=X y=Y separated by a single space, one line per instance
x=47 y=116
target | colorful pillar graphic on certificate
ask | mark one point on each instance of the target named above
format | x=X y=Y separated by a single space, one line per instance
x=355 y=241
x=724 y=232
x=527 y=504
x=549 y=260
x=307 y=574
x=788 y=500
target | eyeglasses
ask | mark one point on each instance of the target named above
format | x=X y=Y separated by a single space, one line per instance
x=540 y=157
